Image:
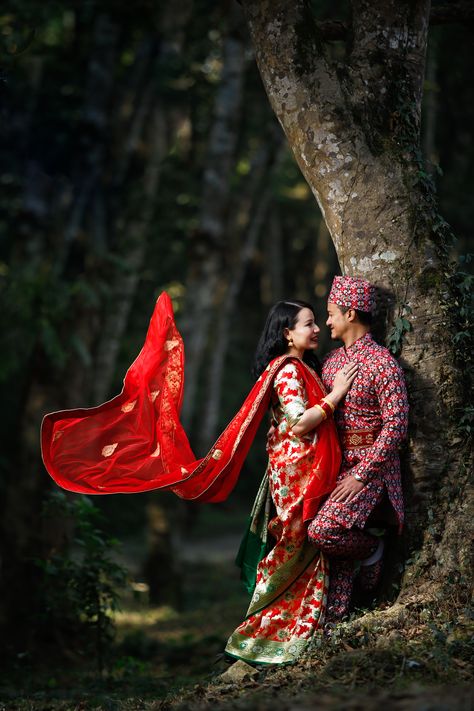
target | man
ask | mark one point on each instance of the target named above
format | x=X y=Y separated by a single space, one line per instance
x=372 y=423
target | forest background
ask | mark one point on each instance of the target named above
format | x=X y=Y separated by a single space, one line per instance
x=140 y=154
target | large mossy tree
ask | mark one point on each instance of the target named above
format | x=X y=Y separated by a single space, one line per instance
x=352 y=119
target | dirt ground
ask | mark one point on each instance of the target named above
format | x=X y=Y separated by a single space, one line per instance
x=166 y=658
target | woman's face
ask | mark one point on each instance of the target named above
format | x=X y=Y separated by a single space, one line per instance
x=305 y=333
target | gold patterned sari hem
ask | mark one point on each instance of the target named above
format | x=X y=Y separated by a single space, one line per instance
x=283 y=578
x=262 y=651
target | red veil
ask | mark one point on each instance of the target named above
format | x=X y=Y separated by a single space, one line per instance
x=135 y=442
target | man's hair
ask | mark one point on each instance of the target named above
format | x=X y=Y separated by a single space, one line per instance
x=364 y=317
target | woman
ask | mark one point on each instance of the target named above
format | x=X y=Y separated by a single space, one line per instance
x=290 y=582
x=135 y=442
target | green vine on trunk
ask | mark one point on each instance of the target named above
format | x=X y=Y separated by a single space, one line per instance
x=401 y=326
x=448 y=277
x=461 y=311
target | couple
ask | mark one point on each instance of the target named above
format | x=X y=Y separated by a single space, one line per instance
x=300 y=575
x=297 y=589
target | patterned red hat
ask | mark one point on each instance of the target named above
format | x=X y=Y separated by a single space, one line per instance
x=353 y=292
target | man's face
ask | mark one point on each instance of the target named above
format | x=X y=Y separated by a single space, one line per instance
x=337 y=321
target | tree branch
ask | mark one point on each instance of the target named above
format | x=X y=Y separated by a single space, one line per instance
x=386 y=68
x=463 y=13
x=291 y=59
x=306 y=95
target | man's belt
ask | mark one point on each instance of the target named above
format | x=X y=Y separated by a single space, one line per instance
x=355 y=439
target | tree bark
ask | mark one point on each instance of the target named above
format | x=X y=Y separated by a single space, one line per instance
x=154 y=125
x=462 y=12
x=272 y=281
x=95 y=121
x=162 y=569
x=354 y=131
x=21 y=523
x=134 y=245
x=430 y=108
x=84 y=227
x=209 y=242
x=222 y=331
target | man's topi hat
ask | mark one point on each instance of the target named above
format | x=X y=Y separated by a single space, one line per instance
x=352 y=292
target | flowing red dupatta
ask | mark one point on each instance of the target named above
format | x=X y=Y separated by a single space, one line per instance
x=135 y=442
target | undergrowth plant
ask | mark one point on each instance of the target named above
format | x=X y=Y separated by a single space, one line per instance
x=80 y=580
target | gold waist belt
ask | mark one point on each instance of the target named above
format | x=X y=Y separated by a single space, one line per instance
x=355 y=439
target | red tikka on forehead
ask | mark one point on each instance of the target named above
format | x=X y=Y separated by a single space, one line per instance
x=352 y=292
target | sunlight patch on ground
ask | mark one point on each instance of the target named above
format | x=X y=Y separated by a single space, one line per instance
x=145 y=617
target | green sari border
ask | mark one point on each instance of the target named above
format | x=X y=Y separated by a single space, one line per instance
x=269 y=597
x=260 y=651
x=259 y=664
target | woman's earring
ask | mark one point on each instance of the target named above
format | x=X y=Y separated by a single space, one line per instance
x=290 y=342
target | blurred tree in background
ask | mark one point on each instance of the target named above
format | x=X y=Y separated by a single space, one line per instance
x=140 y=153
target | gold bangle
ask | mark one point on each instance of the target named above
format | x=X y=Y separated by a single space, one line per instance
x=322 y=411
x=331 y=404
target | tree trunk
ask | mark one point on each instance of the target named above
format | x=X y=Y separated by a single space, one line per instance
x=207 y=251
x=354 y=131
x=162 y=569
x=272 y=275
x=84 y=229
x=21 y=520
x=430 y=108
x=155 y=126
x=95 y=119
x=222 y=331
x=134 y=245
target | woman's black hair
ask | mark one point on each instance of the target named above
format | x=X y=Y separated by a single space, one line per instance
x=272 y=343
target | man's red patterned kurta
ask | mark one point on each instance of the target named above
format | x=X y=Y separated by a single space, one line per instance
x=376 y=401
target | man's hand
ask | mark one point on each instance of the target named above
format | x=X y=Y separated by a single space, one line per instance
x=346 y=489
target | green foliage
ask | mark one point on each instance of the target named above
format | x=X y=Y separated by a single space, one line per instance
x=401 y=326
x=80 y=584
x=429 y=215
x=451 y=281
x=128 y=667
x=462 y=313
x=37 y=309
x=49 y=283
x=426 y=216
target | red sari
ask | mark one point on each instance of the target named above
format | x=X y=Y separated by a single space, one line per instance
x=289 y=584
x=135 y=442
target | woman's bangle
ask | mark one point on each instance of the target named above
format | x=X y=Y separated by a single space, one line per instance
x=328 y=402
x=323 y=412
x=326 y=407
